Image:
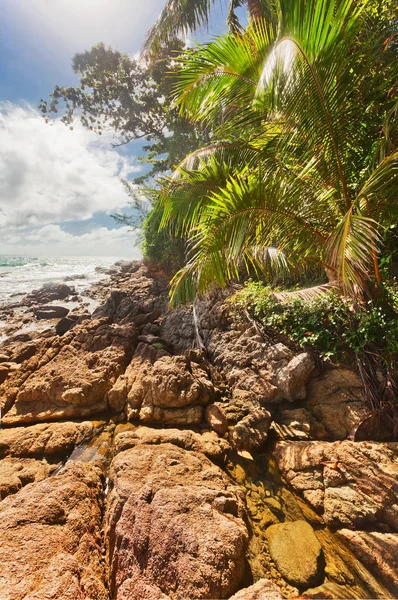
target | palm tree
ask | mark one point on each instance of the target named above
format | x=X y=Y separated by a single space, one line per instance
x=298 y=172
x=181 y=17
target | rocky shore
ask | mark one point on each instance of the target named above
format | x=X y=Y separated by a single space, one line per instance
x=148 y=454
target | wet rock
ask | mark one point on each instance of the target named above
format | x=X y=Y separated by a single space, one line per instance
x=69 y=376
x=50 y=292
x=216 y=418
x=263 y=589
x=208 y=443
x=297 y=552
x=354 y=484
x=175 y=526
x=292 y=379
x=337 y=401
x=44 y=439
x=18 y=472
x=50 y=312
x=66 y=323
x=251 y=432
x=378 y=552
x=49 y=538
x=160 y=388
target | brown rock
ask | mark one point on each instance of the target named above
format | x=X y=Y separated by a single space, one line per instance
x=263 y=589
x=337 y=401
x=216 y=418
x=252 y=431
x=175 y=526
x=354 y=484
x=18 y=472
x=378 y=552
x=69 y=376
x=292 y=379
x=297 y=552
x=49 y=538
x=50 y=312
x=44 y=439
x=207 y=443
x=163 y=389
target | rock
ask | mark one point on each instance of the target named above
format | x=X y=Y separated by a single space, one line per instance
x=18 y=472
x=378 y=552
x=242 y=356
x=178 y=328
x=175 y=526
x=216 y=418
x=297 y=423
x=50 y=292
x=207 y=443
x=263 y=589
x=297 y=552
x=251 y=432
x=66 y=323
x=4 y=369
x=159 y=388
x=69 y=376
x=49 y=538
x=44 y=440
x=51 y=312
x=292 y=379
x=241 y=404
x=337 y=401
x=354 y=484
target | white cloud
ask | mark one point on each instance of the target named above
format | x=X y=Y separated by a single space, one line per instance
x=53 y=240
x=49 y=173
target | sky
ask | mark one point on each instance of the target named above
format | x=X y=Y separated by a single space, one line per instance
x=59 y=187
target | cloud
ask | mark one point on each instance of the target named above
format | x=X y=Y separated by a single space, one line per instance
x=53 y=240
x=49 y=173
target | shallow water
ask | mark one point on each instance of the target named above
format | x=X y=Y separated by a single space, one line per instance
x=20 y=275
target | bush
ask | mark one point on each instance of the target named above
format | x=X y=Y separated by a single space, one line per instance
x=159 y=248
x=332 y=326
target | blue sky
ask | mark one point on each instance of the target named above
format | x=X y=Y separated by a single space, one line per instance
x=58 y=187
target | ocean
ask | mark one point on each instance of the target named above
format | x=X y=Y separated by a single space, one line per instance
x=20 y=275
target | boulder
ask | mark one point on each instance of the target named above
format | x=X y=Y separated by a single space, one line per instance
x=336 y=399
x=263 y=589
x=378 y=551
x=251 y=432
x=50 y=292
x=50 y=312
x=50 y=533
x=292 y=379
x=18 y=472
x=296 y=552
x=159 y=388
x=354 y=484
x=69 y=376
x=216 y=418
x=208 y=443
x=49 y=440
x=175 y=526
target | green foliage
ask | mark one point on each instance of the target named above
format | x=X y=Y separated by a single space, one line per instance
x=302 y=117
x=332 y=326
x=119 y=94
x=159 y=248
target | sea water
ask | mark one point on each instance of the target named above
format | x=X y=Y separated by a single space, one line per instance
x=20 y=275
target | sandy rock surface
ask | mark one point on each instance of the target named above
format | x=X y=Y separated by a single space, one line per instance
x=50 y=538
x=175 y=526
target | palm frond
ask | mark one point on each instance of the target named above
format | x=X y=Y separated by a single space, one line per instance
x=178 y=18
